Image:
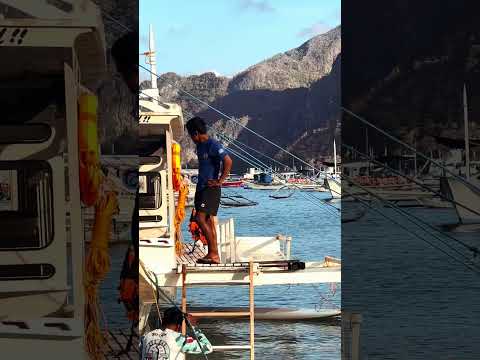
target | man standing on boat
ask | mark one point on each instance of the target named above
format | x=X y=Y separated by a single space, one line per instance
x=211 y=154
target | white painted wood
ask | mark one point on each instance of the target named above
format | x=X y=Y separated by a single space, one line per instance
x=314 y=273
x=76 y=225
x=260 y=248
x=468 y=196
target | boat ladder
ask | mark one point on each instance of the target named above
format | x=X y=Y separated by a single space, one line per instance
x=249 y=267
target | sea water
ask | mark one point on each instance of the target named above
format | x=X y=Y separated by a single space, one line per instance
x=416 y=302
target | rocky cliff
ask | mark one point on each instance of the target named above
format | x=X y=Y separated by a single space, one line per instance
x=118 y=124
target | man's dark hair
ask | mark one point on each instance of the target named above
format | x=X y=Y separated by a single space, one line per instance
x=125 y=51
x=196 y=125
x=172 y=316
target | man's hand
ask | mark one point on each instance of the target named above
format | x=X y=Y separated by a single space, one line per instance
x=214 y=183
x=193 y=320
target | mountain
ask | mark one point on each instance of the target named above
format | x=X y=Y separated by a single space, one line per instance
x=413 y=89
x=287 y=98
x=296 y=68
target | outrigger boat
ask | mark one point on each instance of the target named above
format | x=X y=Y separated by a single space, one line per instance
x=42 y=257
x=245 y=261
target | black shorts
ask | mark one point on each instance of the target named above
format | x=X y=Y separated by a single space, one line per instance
x=207 y=200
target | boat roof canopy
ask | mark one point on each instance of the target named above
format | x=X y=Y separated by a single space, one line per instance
x=156 y=117
x=48 y=31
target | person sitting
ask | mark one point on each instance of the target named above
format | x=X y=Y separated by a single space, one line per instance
x=168 y=342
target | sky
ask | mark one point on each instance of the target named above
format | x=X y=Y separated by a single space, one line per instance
x=228 y=36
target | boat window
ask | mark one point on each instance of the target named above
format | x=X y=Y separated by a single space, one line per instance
x=26 y=205
x=149 y=145
x=24 y=134
x=149 y=160
x=149 y=185
x=26 y=272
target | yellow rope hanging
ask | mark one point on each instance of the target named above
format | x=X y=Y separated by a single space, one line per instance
x=95 y=189
x=96 y=267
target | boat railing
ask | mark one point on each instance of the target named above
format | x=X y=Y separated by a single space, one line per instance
x=227 y=245
x=233 y=249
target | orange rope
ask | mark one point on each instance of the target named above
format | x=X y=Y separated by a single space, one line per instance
x=180 y=216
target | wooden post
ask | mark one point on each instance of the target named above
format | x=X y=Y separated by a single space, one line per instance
x=289 y=247
x=184 y=297
x=356 y=320
x=252 y=311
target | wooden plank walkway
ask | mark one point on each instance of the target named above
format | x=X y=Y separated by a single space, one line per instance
x=116 y=343
x=188 y=257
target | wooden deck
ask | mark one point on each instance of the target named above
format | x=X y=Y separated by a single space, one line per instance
x=189 y=258
x=116 y=343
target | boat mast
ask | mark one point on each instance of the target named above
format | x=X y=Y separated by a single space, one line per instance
x=465 y=120
x=152 y=92
x=367 y=151
x=334 y=157
x=152 y=59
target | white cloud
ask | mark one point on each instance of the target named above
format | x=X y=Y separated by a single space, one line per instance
x=319 y=27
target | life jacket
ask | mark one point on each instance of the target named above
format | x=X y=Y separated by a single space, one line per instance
x=129 y=284
x=129 y=276
x=196 y=231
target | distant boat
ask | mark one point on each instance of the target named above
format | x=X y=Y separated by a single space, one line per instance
x=233 y=183
x=333 y=184
x=259 y=186
x=467 y=192
x=263 y=181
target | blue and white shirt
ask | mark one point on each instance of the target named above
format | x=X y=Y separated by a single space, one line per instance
x=210 y=156
x=170 y=345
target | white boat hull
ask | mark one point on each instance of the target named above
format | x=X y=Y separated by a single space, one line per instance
x=335 y=187
x=280 y=314
x=468 y=196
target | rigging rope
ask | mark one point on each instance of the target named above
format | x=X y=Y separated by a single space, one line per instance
x=230 y=118
x=281 y=175
x=410 y=217
x=301 y=193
